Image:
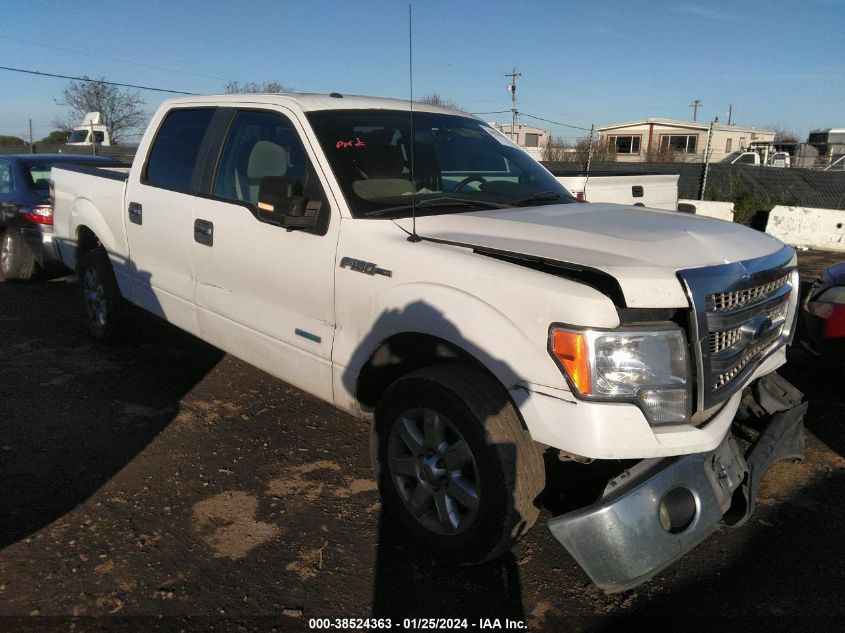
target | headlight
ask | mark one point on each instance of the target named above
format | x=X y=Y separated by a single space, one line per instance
x=647 y=367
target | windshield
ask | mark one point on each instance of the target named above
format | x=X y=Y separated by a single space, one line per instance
x=78 y=136
x=459 y=164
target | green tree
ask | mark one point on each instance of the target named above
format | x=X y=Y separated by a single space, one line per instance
x=56 y=137
x=11 y=140
x=121 y=110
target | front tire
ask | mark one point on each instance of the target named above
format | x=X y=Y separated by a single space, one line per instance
x=105 y=308
x=17 y=260
x=454 y=464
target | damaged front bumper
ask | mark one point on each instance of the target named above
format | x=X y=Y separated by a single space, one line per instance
x=659 y=510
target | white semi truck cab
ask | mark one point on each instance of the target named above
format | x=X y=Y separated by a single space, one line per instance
x=90 y=132
x=414 y=267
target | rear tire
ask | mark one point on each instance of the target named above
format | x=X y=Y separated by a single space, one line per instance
x=454 y=465
x=17 y=261
x=106 y=311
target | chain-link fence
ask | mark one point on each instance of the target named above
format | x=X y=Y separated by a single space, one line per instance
x=123 y=153
x=754 y=189
x=751 y=188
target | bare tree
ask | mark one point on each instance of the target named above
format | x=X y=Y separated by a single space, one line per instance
x=663 y=153
x=560 y=151
x=436 y=100
x=236 y=87
x=121 y=110
x=783 y=135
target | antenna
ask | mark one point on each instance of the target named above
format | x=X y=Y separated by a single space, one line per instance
x=413 y=237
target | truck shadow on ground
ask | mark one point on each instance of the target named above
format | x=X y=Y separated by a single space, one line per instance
x=410 y=583
x=821 y=382
x=67 y=430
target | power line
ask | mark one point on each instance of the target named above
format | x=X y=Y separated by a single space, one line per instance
x=574 y=127
x=97 y=81
x=494 y=112
x=114 y=59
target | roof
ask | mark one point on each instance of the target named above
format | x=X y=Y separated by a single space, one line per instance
x=520 y=127
x=59 y=158
x=696 y=125
x=311 y=101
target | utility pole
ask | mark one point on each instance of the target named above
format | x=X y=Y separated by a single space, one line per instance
x=730 y=113
x=512 y=89
x=590 y=148
x=706 y=162
x=31 y=146
x=695 y=105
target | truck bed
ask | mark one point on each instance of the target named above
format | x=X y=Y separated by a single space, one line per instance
x=88 y=196
x=656 y=191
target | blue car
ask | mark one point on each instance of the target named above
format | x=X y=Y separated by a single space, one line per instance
x=26 y=213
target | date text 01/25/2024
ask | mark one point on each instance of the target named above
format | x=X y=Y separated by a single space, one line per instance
x=413 y=624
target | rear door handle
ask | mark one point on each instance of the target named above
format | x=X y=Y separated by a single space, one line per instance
x=204 y=232
x=135 y=213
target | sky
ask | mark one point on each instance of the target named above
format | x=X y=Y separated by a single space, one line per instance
x=582 y=63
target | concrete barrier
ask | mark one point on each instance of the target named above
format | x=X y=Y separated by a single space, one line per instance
x=709 y=208
x=805 y=226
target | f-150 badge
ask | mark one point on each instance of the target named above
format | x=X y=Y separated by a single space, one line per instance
x=368 y=268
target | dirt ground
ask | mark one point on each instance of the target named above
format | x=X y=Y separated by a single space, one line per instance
x=162 y=485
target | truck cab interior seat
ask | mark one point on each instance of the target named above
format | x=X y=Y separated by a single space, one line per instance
x=265 y=159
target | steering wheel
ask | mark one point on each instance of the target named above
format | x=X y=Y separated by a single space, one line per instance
x=468 y=180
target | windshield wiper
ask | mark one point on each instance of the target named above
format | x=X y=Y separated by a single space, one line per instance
x=541 y=196
x=436 y=203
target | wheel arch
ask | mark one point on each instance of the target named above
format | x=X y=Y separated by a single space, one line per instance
x=405 y=352
x=89 y=228
x=414 y=325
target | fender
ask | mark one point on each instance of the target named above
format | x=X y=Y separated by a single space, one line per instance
x=86 y=215
x=445 y=312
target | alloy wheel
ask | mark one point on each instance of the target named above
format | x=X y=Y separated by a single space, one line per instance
x=6 y=253
x=434 y=471
x=95 y=298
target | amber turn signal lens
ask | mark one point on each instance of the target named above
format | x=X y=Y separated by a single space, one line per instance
x=571 y=350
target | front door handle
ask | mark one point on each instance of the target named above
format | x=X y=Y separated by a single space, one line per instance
x=204 y=232
x=135 y=213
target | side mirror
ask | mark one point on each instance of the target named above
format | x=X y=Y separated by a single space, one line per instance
x=279 y=203
x=302 y=213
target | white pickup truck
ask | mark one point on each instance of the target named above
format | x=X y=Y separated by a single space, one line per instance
x=655 y=191
x=414 y=267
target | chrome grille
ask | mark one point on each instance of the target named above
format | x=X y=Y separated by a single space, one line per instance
x=722 y=301
x=741 y=313
x=722 y=340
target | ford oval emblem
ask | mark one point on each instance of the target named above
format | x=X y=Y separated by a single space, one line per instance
x=757 y=329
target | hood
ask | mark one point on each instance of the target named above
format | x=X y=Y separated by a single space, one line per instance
x=641 y=248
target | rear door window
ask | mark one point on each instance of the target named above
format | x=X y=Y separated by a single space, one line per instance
x=172 y=160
